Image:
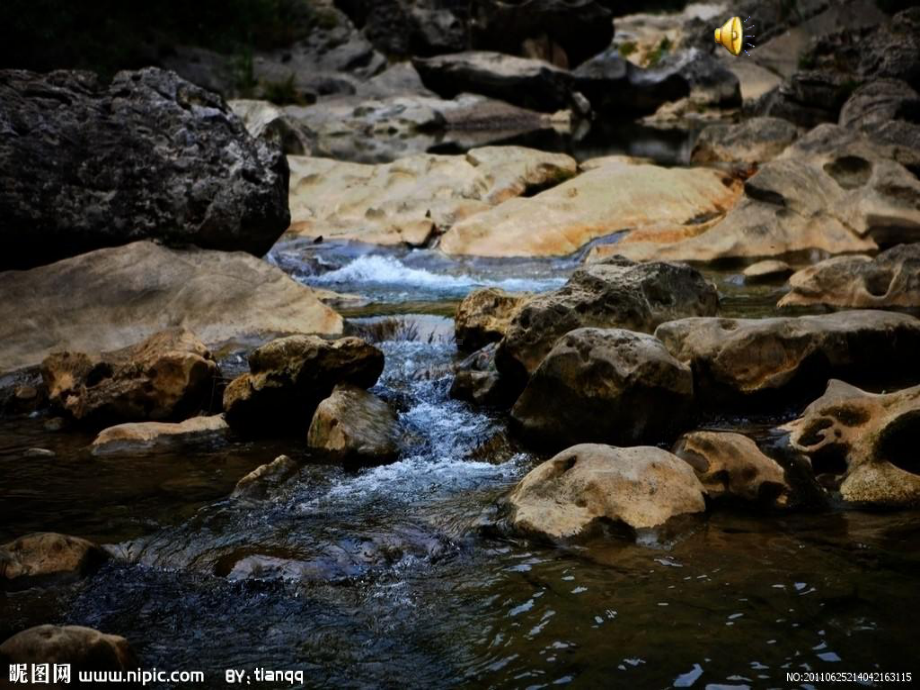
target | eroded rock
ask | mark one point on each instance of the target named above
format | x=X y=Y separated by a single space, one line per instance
x=47 y=558
x=355 y=425
x=756 y=140
x=484 y=316
x=83 y=649
x=141 y=438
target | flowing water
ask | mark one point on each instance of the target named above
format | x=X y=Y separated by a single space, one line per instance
x=396 y=576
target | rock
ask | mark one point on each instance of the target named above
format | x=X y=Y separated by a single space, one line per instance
x=413 y=199
x=889 y=281
x=400 y=29
x=22 y=393
x=878 y=102
x=767 y=272
x=142 y=438
x=871 y=439
x=527 y=83
x=615 y=86
x=169 y=375
x=731 y=466
x=710 y=82
x=47 y=558
x=484 y=316
x=83 y=649
x=616 y=197
x=38 y=453
x=86 y=165
x=289 y=377
x=605 y=386
x=806 y=99
x=266 y=478
x=588 y=485
x=117 y=297
x=618 y=294
x=270 y=123
x=355 y=425
x=563 y=32
x=477 y=380
x=747 y=360
x=755 y=140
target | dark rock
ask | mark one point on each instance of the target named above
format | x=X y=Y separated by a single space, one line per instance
x=478 y=381
x=85 y=165
x=400 y=28
x=259 y=483
x=83 y=649
x=756 y=140
x=878 y=102
x=616 y=86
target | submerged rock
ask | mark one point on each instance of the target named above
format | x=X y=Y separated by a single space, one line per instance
x=117 y=297
x=47 y=558
x=484 y=317
x=169 y=375
x=738 y=360
x=588 y=485
x=148 y=156
x=731 y=466
x=83 y=649
x=605 y=386
x=890 y=280
x=289 y=377
x=141 y=438
x=871 y=439
x=266 y=478
x=756 y=140
x=615 y=294
x=355 y=425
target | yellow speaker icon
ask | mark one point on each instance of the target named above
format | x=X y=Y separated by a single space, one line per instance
x=731 y=36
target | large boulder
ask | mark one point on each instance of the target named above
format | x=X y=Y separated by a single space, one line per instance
x=169 y=375
x=528 y=83
x=869 y=440
x=289 y=377
x=878 y=102
x=617 y=87
x=85 y=165
x=616 y=294
x=399 y=28
x=731 y=467
x=739 y=360
x=142 y=438
x=413 y=199
x=117 y=297
x=612 y=197
x=588 y=485
x=47 y=558
x=891 y=280
x=756 y=140
x=83 y=649
x=356 y=426
x=605 y=386
x=484 y=317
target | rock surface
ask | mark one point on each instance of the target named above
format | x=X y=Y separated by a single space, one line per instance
x=270 y=123
x=84 y=649
x=47 y=558
x=735 y=360
x=289 y=377
x=871 y=438
x=169 y=375
x=117 y=297
x=605 y=386
x=767 y=272
x=259 y=483
x=890 y=280
x=731 y=466
x=617 y=87
x=616 y=294
x=142 y=438
x=85 y=165
x=589 y=484
x=615 y=197
x=484 y=317
x=355 y=425
x=413 y=199
x=756 y=140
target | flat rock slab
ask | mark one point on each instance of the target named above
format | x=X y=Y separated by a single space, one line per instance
x=140 y=438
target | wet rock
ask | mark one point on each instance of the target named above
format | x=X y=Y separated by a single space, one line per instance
x=588 y=485
x=413 y=199
x=117 y=297
x=527 y=83
x=47 y=558
x=484 y=316
x=738 y=360
x=355 y=425
x=871 y=439
x=614 y=197
x=767 y=272
x=756 y=140
x=807 y=98
x=169 y=375
x=731 y=466
x=267 y=478
x=289 y=377
x=890 y=280
x=142 y=438
x=605 y=386
x=616 y=294
x=478 y=381
x=39 y=453
x=148 y=156
x=83 y=649
x=22 y=393
x=270 y=123
x=879 y=102
x=399 y=28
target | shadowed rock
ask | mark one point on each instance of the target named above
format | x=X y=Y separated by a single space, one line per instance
x=84 y=649
x=47 y=558
x=356 y=426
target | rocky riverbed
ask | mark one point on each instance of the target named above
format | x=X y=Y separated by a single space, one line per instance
x=469 y=373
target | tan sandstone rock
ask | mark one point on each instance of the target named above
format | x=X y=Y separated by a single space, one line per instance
x=84 y=649
x=756 y=140
x=355 y=425
x=44 y=557
x=767 y=272
x=140 y=438
x=484 y=316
